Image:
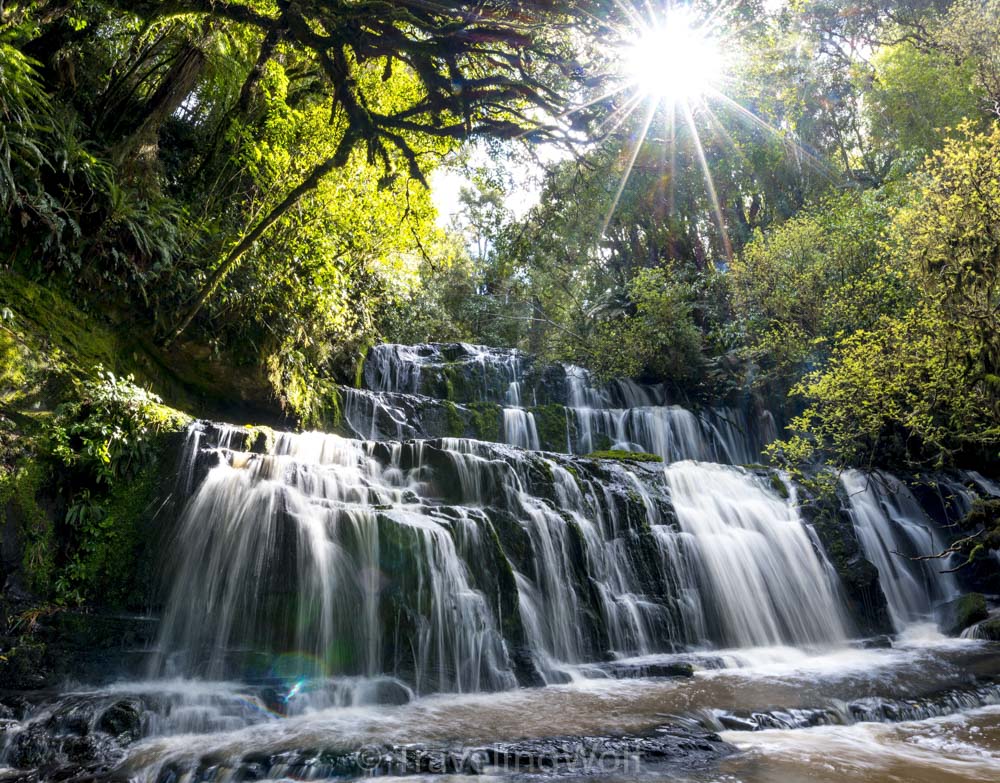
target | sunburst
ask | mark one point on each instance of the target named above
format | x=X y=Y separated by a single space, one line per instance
x=675 y=61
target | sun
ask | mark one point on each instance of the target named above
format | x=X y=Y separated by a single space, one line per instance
x=674 y=58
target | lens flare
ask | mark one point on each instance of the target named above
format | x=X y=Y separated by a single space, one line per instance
x=675 y=58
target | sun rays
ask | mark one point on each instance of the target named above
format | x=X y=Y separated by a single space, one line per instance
x=676 y=62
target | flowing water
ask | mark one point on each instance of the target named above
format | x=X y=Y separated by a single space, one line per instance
x=401 y=604
x=889 y=520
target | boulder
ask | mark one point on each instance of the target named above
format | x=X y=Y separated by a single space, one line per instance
x=955 y=616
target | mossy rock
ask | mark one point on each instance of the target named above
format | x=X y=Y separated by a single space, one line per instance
x=989 y=630
x=779 y=486
x=625 y=456
x=45 y=313
x=551 y=423
x=486 y=419
x=964 y=611
x=454 y=420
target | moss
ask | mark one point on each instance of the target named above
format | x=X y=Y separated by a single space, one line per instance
x=19 y=490
x=550 y=421
x=629 y=456
x=779 y=486
x=79 y=339
x=456 y=425
x=967 y=610
x=260 y=439
x=601 y=443
x=13 y=367
x=486 y=418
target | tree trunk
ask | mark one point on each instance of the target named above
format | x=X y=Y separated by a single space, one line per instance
x=143 y=143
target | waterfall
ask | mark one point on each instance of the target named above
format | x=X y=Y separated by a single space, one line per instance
x=892 y=528
x=761 y=579
x=454 y=564
x=404 y=386
x=459 y=565
x=284 y=554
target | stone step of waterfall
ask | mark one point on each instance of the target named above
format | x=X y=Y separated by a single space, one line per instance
x=670 y=748
x=868 y=710
x=672 y=432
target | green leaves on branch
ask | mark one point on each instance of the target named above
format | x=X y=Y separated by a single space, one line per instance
x=108 y=432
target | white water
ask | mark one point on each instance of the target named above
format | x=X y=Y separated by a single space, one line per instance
x=760 y=576
x=622 y=415
x=280 y=553
x=892 y=529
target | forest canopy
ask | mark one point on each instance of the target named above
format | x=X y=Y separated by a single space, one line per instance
x=799 y=201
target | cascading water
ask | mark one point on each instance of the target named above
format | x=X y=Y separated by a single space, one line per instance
x=761 y=579
x=283 y=553
x=405 y=386
x=322 y=583
x=892 y=529
x=460 y=565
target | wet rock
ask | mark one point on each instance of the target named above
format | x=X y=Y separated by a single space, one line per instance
x=81 y=750
x=622 y=671
x=391 y=692
x=955 y=616
x=672 y=746
x=988 y=630
x=881 y=642
x=30 y=748
x=736 y=723
x=122 y=720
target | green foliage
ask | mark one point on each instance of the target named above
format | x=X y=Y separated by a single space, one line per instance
x=950 y=237
x=915 y=95
x=303 y=392
x=897 y=394
x=651 y=333
x=19 y=490
x=821 y=274
x=107 y=442
x=109 y=431
x=107 y=535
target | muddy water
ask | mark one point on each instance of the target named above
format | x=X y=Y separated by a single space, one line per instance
x=960 y=747
x=963 y=744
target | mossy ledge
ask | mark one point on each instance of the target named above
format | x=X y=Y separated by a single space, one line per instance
x=625 y=456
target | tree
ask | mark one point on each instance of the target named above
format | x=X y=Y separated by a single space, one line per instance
x=950 y=235
x=495 y=68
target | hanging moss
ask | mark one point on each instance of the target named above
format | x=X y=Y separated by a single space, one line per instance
x=456 y=424
x=486 y=418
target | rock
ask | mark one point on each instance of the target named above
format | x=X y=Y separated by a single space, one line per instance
x=627 y=671
x=955 y=616
x=881 y=642
x=988 y=630
x=29 y=749
x=736 y=723
x=393 y=692
x=122 y=720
